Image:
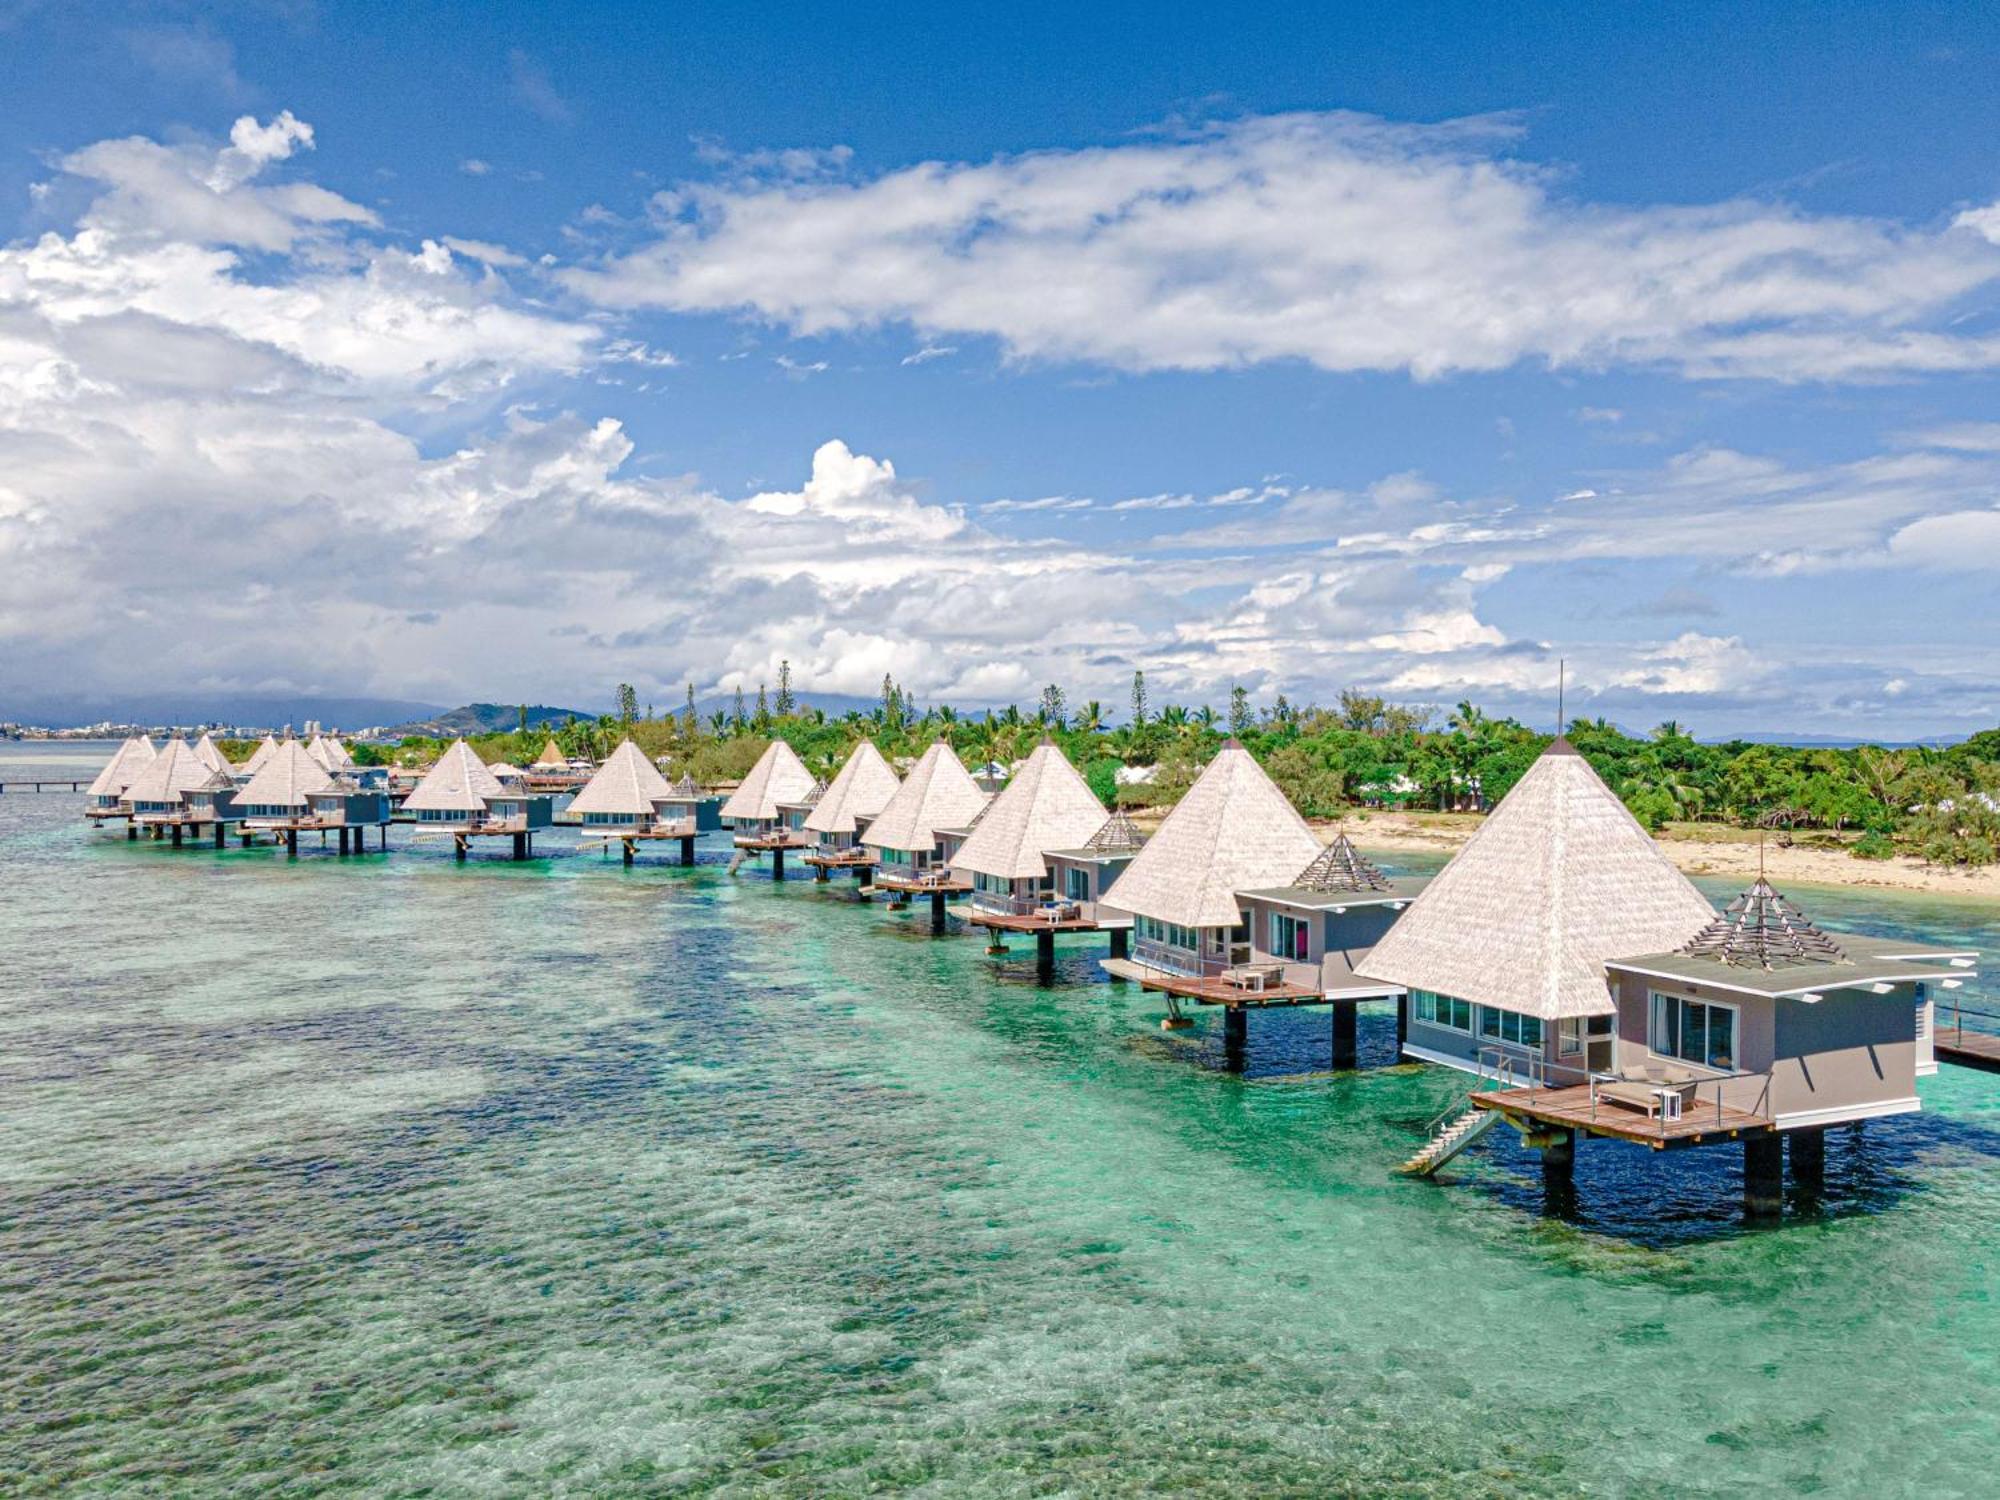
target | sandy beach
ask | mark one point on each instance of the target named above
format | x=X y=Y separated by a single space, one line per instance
x=1710 y=851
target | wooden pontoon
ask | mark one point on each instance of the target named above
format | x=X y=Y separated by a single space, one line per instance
x=628 y=802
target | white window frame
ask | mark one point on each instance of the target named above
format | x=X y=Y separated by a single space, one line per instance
x=1653 y=997
x=1436 y=1000
x=1520 y=1023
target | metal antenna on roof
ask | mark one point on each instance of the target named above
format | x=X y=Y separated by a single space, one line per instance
x=1562 y=672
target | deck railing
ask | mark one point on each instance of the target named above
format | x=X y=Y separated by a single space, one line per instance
x=1760 y=1106
x=1957 y=1028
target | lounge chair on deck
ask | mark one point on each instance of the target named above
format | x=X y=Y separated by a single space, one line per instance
x=1639 y=1087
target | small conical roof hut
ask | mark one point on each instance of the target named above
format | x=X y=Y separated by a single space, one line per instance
x=938 y=793
x=686 y=789
x=126 y=762
x=552 y=758
x=1760 y=929
x=459 y=782
x=860 y=790
x=266 y=748
x=174 y=770
x=1046 y=805
x=285 y=779
x=778 y=776
x=1341 y=867
x=1233 y=831
x=627 y=784
x=208 y=755
x=1558 y=879
x=1119 y=835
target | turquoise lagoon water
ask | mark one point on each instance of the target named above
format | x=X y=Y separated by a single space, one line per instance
x=388 y=1176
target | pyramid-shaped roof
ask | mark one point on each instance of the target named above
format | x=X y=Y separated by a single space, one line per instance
x=686 y=789
x=1760 y=929
x=285 y=779
x=1119 y=835
x=552 y=758
x=1233 y=831
x=627 y=784
x=260 y=757
x=779 y=776
x=860 y=790
x=938 y=793
x=126 y=762
x=1046 y=806
x=208 y=755
x=1558 y=879
x=459 y=782
x=174 y=770
x=329 y=752
x=1341 y=867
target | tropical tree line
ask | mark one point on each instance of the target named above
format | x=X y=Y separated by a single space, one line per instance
x=1362 y=751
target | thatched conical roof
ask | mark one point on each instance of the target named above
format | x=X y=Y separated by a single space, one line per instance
x=329 y=752
x=860 y=789
x=627 y=784
x=684 y=790
x=552 y=758
x=778 y=776
x=1760 y=929
x=459 y=782
x=1119 y=835
x=1046 y=805
x=208 y=755
x=174 y=770
x=126 y=762
x=1233 y=831
x=1558 y=879
x=260 y=757
x=1341 y=867
x=938 y=793
x=285 y=779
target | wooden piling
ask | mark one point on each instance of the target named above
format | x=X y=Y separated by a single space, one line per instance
x=1235 y=1035
x=1345 y=1028
x=1121 y=942
x=1763 y=1175
x=1807 y=1151
x=687 y=849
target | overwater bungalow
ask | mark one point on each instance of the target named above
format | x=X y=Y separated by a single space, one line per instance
x=552 y=771
x=906 y=837
x=858 y=792
x=1047 y=805
x=106 y=797
x=206 y=752
x=294 y=793
x=461 y=798
x=330 y=753
x=628 y=801
x=754 y=809
x=1233 y=832
x=175 y=794
x=1563 y=960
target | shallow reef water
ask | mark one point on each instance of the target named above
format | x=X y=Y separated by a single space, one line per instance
x=393 y=1176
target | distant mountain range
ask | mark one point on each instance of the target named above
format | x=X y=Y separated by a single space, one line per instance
x=487 y=718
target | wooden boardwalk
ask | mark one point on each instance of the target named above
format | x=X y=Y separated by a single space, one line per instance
x=1572 y=1108
x=1969 y=1049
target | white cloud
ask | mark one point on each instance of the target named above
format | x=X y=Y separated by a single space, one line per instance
x=474 y=166
x=1047 y=502
x=928 y=353
x=1336 y=239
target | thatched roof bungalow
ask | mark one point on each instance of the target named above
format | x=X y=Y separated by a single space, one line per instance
x=905 y=835
x=259 y=758
x=107 y=792
x=277 y=794
x=778 y=777
x=1046 y=805
x=158 y=794
x=858 y=792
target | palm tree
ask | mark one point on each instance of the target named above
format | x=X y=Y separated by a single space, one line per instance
x=1090 y=718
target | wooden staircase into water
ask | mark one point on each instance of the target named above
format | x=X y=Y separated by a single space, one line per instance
x=1449 y=1137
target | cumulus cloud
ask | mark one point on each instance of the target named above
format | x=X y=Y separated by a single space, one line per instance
x=1340 y=240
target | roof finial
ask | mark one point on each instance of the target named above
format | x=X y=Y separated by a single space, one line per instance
x=1562 y=673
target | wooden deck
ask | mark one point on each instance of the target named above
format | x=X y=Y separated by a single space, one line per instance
x=1007 y=922
x=920 y=887
x=1213 y=990
x=771 y=843
x=1572 y=1108
x=1969 y=1049
x=840 y=859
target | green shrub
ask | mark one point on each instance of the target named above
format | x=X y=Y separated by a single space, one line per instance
x=1873 y=845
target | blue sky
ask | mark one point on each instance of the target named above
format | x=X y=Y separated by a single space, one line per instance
x=517 y=351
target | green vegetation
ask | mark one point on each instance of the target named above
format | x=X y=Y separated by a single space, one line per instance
x=1942 y=805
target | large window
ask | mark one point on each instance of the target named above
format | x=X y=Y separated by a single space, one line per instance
x=1694 y=1031
x=1291 y=937
x=1500 y=1025
x=1442 y=1010
x=1172 y=934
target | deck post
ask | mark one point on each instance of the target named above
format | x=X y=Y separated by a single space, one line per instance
x=777 y=864
x=1558 y=1158
x=458 y=847
x=1045 y=955
x=1807 y=1149
x=1121 y=941
x=291 y=843
x=341 y=835
x=131 y=831
x=219 y=832
x=177 y=835
x=384 y=845
x=1402 y=1022
x=629 y=852
x=1344 y=1029
x=1763 y=1175
x=520 y=846
x=687 y=849
x=937 y=911
x=819 y=874
x=244 y=836
x=1235 y=1035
